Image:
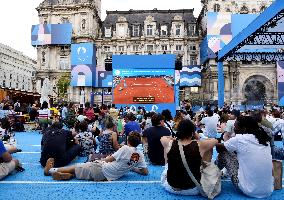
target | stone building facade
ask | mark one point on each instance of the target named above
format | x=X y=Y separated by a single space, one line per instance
x=122 y=32
x=17 y=70
x=54 y=60
x=245 y=82
x=151 y=32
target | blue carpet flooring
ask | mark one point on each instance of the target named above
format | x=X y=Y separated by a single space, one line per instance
x=33 y=185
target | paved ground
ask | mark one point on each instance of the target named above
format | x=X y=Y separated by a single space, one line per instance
x=31 y=184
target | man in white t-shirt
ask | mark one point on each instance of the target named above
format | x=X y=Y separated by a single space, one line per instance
x=210 y=124
x=126 y=159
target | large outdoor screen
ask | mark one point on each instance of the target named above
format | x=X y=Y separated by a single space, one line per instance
x=143 y=86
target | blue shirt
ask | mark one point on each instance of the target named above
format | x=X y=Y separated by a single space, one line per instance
x=2 y=148
x=131 y=126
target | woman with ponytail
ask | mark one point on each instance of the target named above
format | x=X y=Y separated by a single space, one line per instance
x=247 y=157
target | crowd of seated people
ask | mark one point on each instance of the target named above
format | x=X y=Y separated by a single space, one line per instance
x=108 y=137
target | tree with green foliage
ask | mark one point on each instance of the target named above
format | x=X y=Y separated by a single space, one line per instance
x=63 y=84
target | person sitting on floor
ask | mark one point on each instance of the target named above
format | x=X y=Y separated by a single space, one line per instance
x=250 y=167
x=58 y=144
x=126 y=159
x=7 y=136
x=151 y=138
x=85 y=139
x=175 y=178
x=7 y=163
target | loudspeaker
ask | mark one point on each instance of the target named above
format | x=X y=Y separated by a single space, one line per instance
x=108 y=64
x=178 y=65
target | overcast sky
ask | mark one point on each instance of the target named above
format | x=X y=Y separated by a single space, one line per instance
x=17 y=16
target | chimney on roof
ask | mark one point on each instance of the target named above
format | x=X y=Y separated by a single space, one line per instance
x=155 y=9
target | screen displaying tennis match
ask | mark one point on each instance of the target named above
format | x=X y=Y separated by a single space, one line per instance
x=143 y=86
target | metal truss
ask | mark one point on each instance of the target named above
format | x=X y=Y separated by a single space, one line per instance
x=260 y=37
x=268 y=38
x=267 y=57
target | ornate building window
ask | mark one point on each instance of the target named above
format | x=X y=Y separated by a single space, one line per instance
x=262 y=8
x=136 y=31
x=43 y=57
x=193 y=60
x=64 y=63
x=192 y=47
x=107 y=31
x=244 y=10
x=191 y=29
x=150 y=47
x=107 y=48
x=64 y=20
x=164 y=30
x=149 y=30
x=178 y=47
x=121 y=30
x=178 y=30
x=121 y=48
x=216 y=8
x=135 y=48
x=164 y=47
x=83 y=24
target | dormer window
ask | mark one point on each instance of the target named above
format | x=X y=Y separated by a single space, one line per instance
x=191 y=29
x=121 y=30
x=178 y=30
x=164 y=30
x=107 y=31
x=149 y=30
x=136 y=31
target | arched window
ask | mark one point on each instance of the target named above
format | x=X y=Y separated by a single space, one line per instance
x=217 y=8
x=228 y=10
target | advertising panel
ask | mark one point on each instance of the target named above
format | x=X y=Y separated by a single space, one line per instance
x=107 y=98
x=221 y=28
x=190 y=76
x=98 y=98
x=104 y=79
x=143 y=86
x=83 y=64
x=48 y=34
